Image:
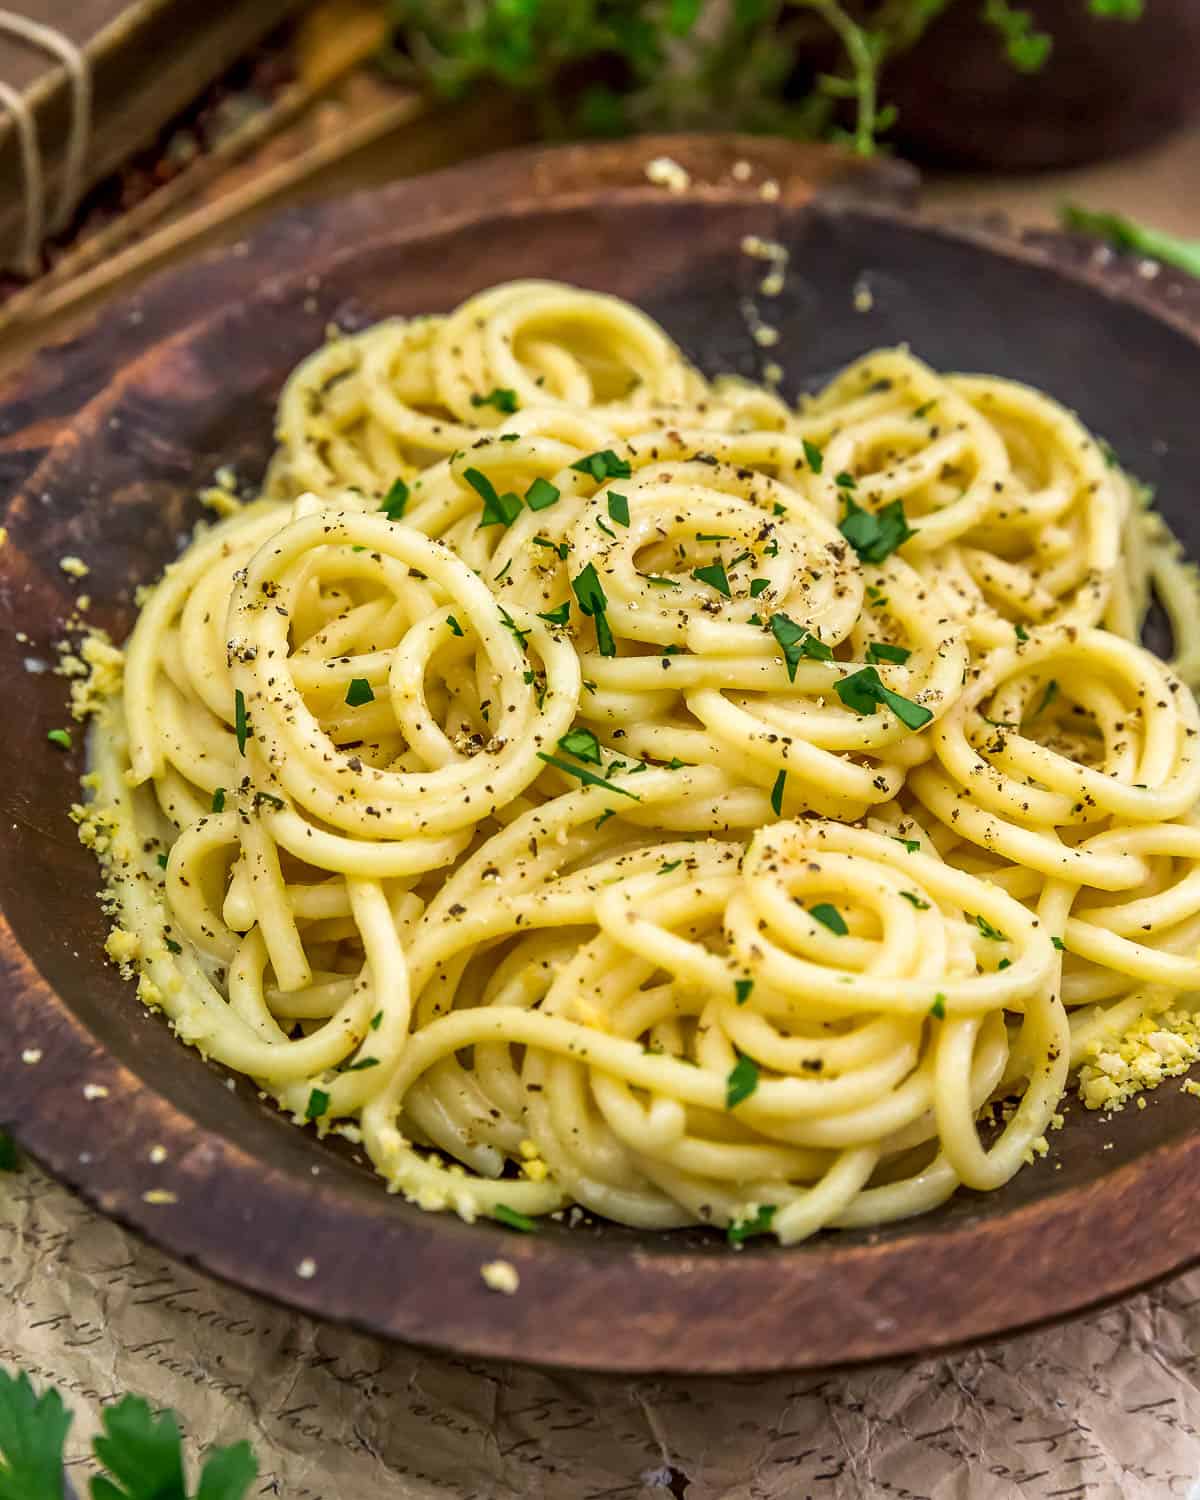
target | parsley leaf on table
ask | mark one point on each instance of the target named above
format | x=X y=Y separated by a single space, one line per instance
x=33 y=1430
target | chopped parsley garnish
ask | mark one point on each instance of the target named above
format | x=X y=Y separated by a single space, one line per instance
x=1048 y=698
x=604 y=817
x=498 y=510
x=875 y=536
x=845 y=481
x=777 y=793
x=558 y=616
x=925 y=408
x=270 y=799
x=505 y=1215
x=589 y=778
x=361 y=1065
x=915 y=900
x=1059 y=944
x=593 y=602
x=603 y=465
x=912 y=845
x=559 y=548
x=938 y=1008
x=712 y=536
x=757 y=586
x=241 y=725
x=671 y=864
x=60 y=737
x=1005 y=963
x=519 y=635
x=618 y=508
x=161 y=861
x=1022 y=633
x=376 y=1020
x=501 y=398
x=605 y=527
x=318 y=1103
x=795 y=642
x=455 y=627
x=172 y=945
x=742 y=990
x=395 y=501
x=503 y=573
x=830 y=917
x=583 y=744
x=218 y=800
x=882 y=651
x=863 y=692
x=714 y=575
x=541 y=494
x=778 y=510
x=816 y=459
x=359 y=692
x=661 y=583
x=989 y=931
x=741 y=1082
x=743 y=1229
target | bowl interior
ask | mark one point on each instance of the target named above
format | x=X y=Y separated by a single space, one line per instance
x=119 y=492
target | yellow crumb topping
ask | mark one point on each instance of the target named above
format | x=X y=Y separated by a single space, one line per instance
x=500 y=1276
x=1153 y=1049
x=122 y=947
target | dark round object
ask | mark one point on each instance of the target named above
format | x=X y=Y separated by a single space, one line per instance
x=1110 y=87
x=103 y=443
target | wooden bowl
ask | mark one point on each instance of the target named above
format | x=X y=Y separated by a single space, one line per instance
x=103 y=442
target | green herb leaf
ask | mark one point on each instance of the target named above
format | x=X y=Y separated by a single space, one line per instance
x=659 y=582
x=318 y=1103
x=714 y=575
x=743 y=1229
x=845 y=481
x=583 y=744
x=604 y=465
x=241 y=725
x=671 y=864
x=988 y=930
x=498 y=510
x=376 y=1020
x=912 y=845
x=1005 y=963
x=1022 y=633
x=924 y=409
x=742 y=990
x=395 y=501
x=758 y=586
x=1059 y=944
x=455 y=627
x=915 y=900
x=777 y=793
x=161 y=861
x=60 y=737
x=593 y=602
x=560 y=549
x=795 y=642
x=938 y=1008
x=33 y=1432
x=359 y=692
x=558 y=616
x=589 y=778
x=741 y=1082
x=541 y=494
x=1048 y=698
x=816 y=459
x=863 y=692
x=228 y=1473
x=882 y=651
x=1128 y=235
x=172 y=945
x=361 y=1065
x=505 y=1215
x=618 y=508
x=218 y=800
x=830 y=917
x=501 y=398
x=875 y=536
x=142 y=1453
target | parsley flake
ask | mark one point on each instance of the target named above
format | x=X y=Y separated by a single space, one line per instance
x=845 y=481
x=714 y=575
x=988 y=930
x=938 y=1008
x=455 y=627
x=914 y=900
x=875 y=536
x=541 y=494
x=777 y=793
x=795 y=642
x=758 y=585
x=498 y=510
x=241 y=725
x=218 y=800
x=501 y=398
x=742 y=990
x=883 y=651
x=589 y=778
x=830 y=917
x=359 y=692
x=318 y=1103
x=743 y=1229
x=394 y=502
x=671 y=864
x=593 y=602
x=509 y=1216
x=1059 y=944
x=1048 y=698
x=603 y=465
x=559 y=615
x=864 y=692
x=583 y=744
x=618 y=508
x=741 y=1082
x=816 y=459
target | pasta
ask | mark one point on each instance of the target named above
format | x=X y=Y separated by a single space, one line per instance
x=585 y=783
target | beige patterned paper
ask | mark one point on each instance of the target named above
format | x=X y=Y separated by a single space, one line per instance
x=1104 y=1408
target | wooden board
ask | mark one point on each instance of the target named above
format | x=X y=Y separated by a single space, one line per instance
x=146 y=59
x=103 y=442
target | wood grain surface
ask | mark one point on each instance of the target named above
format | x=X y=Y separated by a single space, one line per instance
x=104 y=440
